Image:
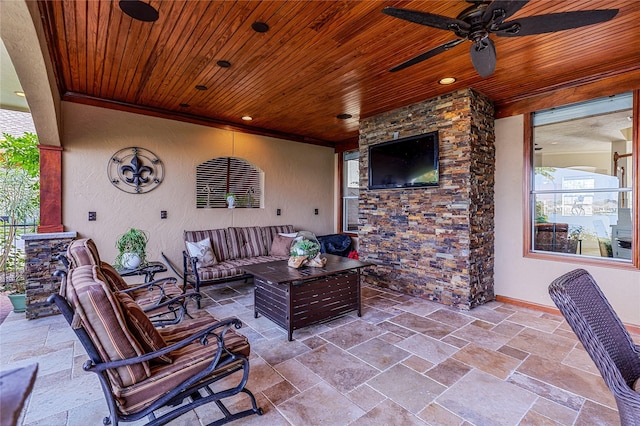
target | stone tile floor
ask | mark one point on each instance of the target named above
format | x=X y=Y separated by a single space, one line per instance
x=406 y=361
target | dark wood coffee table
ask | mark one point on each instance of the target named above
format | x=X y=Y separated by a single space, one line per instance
x=294 y=298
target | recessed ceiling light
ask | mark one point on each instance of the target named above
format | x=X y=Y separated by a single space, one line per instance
x=247 y=118
x=224 y=64
x=447 y=80
x=201 y=87
x=139 y=10
x=260 y=27
x=343 y=116
x=19 y=93
x=184 y=105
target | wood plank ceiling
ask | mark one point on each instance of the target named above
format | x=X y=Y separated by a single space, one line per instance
x=319 y=59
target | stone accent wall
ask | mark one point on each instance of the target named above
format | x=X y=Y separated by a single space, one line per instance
x=435 y=242
x=41 y=252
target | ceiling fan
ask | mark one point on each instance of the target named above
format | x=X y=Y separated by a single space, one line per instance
x=483 y=18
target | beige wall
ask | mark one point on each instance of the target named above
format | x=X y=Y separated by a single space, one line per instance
x=525 y=278
x=298 y=178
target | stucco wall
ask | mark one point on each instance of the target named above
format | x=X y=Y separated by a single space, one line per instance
x=525 y=278
x=298 y=178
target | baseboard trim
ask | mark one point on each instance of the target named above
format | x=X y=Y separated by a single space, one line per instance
x=632 y=328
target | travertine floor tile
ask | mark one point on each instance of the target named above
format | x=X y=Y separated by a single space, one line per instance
x=321 y=405
x=379 y=353
x=388 y=413
x=484 y=399
x=406 y=387
x=340 y=369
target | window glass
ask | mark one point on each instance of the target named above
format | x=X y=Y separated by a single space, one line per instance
x=350 y=191
x=582 y=186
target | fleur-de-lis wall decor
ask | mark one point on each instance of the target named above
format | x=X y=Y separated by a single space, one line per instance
x=135 y=170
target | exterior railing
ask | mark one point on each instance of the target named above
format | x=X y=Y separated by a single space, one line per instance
x=13 y=269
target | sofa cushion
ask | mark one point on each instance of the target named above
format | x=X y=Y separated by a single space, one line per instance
x=203 y=251
x=218 y=238
x=142 y=329
x=281 y=245
x=268 y=232
x=101 y=316
x=246 y=242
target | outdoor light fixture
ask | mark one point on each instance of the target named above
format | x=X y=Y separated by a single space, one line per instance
x=139 y=10
x=447 y=80
x=247 y=118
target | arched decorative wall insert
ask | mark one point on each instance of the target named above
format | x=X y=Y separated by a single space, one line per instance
x=218 y=177
x=135 y=170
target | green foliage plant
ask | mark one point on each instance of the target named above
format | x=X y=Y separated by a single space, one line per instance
x=132 y=241
x=19 y=189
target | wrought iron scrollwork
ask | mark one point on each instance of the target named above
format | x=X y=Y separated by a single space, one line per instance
x=135 y=170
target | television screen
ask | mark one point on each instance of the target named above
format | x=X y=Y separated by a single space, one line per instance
x=404 y=163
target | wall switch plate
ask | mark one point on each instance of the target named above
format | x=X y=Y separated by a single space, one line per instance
x=315 y=211
x=92 y=216
x=163 y=214
x=278 y=212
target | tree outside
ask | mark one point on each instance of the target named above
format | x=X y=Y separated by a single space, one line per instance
x=19 y=202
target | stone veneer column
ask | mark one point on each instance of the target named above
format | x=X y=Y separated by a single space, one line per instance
x=41 y=252
x=436 y=242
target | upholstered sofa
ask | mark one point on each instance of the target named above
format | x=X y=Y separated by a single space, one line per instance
x=231 y=249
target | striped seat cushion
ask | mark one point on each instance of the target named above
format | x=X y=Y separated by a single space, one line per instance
x=218 y=238
x=187 y=361
x=140 y=326
x=101 y=316
x=246 y=242
x=222 y=270
x=143 y=296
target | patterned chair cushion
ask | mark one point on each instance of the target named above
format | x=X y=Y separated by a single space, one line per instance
x=187 y=361
x=140 y=326
x=101 y=316
x=218 y=238
x=246 y=242
x=83 y=252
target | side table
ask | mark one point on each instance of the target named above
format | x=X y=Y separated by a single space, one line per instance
x=149 y=271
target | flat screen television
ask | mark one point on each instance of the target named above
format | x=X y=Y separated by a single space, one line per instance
x=404 y=163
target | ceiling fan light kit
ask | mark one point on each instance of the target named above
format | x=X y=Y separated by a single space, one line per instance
x=477 y=22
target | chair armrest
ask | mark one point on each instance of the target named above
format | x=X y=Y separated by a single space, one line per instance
x=159 y=283
x=191 y=268
x=202 y=336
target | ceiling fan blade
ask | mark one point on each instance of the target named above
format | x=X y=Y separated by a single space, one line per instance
x=483 y=57
x=509 y=7
x=426 y=55
x=428 y=19
x=541 y=24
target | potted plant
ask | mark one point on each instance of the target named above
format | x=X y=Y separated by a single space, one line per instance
x=231 y=199
x=132 y=249
x=16 y=291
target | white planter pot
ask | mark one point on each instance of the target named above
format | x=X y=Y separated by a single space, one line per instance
x=130 y=260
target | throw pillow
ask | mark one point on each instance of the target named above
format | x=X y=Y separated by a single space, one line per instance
x=281 y=245
x=142 y=328
x=203 y=251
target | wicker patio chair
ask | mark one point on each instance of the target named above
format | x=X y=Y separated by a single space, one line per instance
x=143 y=369
x=603 y=335
x=162 y=299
